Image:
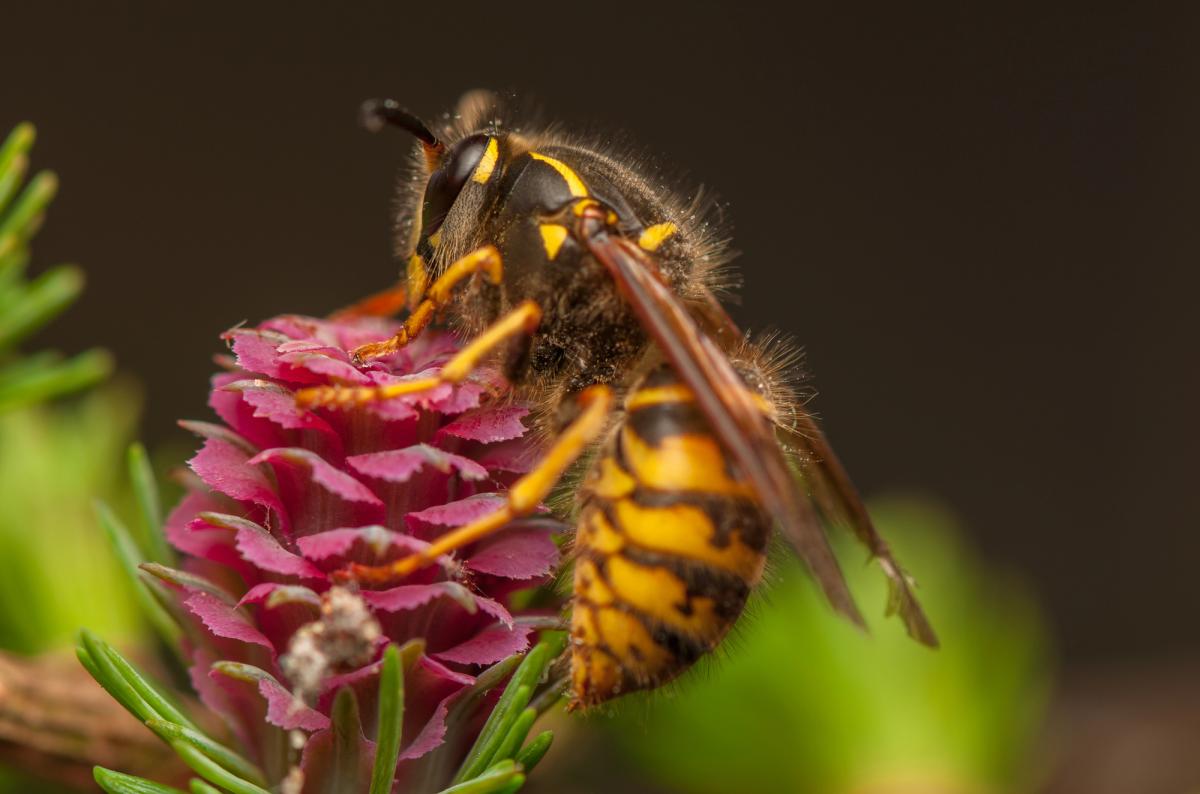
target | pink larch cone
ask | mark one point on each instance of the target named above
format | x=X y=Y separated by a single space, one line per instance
x=284 y=498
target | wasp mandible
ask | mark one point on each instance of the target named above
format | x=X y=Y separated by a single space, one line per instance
x=600 y=286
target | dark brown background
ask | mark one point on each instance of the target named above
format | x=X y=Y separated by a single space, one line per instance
x=983 y=228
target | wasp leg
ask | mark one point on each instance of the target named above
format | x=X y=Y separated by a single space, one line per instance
x=381 y=304
x=484 y=260
x=595 y=405
x=521 y=321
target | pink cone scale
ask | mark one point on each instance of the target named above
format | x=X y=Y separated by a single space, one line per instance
x=281 y=499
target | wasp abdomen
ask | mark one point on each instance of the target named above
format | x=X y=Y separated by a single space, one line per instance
x=670 y=541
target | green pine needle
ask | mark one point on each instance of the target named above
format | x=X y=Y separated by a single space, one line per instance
x=130 y=556
x=213 y=772
x=532 y=753
x=208 y=758
x=503 y=777
x=346 y=735
x=515 y=736
x=230 y=760
x=145 y=489
x=148 y=702
x=119 y=783
x=24 y=217
x=42 y=377
x=504 y=717
x=391 y=722
x=27 y=307
x=42 y=300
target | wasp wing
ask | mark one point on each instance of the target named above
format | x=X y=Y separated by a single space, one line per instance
x=746 y=433
x=839 y=503
x=831 y=488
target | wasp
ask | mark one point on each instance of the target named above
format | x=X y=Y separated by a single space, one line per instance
x=600 y=285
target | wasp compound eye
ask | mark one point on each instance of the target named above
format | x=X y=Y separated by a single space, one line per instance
x=447 y=181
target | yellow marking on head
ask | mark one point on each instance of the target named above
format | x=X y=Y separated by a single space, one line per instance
x=660 y=594
x=580 y=207
x=574 y=183
x=684 y=530
x=610 y=481
x=553 y=236
x=435 y=239
x=487 y=164
x=417 y=280
x=681 y=463
x=655 y=235
x=656 y=395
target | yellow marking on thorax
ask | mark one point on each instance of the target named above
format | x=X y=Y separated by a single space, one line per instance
x=574 y=183
x=656 y=395
x=655 y=235
x=553 y=236
x=684 y=530
x=681 y=463
x=487 y=164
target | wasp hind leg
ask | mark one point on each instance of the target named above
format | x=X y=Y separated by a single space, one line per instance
x=485 y=260
x=521 y=321
x=595 y=406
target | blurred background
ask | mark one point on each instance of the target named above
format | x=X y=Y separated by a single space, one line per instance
x=980 y=225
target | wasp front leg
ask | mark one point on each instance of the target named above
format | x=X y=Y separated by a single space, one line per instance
x=485 y=260
x=521 y=321
x=594 y=407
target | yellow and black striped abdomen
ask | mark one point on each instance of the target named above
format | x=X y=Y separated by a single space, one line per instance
x=669 y=543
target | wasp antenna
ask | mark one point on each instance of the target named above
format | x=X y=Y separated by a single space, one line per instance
x=375 y=113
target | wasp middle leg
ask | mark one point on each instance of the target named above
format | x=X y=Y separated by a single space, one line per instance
x=521 y=321
x=594 y=406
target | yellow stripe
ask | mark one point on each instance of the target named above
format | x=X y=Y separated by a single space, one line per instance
x=656 y=395
x=574 y=183
x=609 y=481
x=641 y=657
x=483 y=171
x=684 y=462
x=654 y=236
x=678 y=393
x=663 y=596
x=553 y=236
x=686 y=531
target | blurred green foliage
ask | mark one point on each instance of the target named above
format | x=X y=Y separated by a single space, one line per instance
x=59 y=571
x=56 y=458
x=28 y=304
x=806 y=703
